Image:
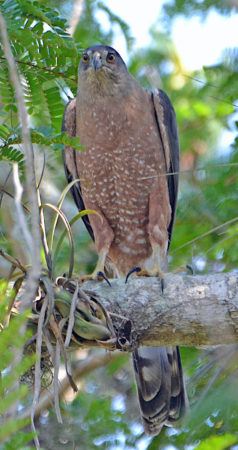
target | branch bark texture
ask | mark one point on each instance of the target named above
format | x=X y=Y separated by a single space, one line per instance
x=192 y=310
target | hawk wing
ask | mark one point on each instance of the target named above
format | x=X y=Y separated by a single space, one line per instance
x=69 y=159
x=166 y=122
x=158 y=370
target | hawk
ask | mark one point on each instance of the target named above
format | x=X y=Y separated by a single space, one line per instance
x=128 y=173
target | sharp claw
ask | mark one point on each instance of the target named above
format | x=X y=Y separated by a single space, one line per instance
x=162 y=285
x=190 y=268
x=133 y=270
x=102 y=275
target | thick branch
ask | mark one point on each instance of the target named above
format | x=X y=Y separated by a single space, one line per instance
x=193 y=310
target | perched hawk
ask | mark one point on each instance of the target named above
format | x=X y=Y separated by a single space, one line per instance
x=130 y=143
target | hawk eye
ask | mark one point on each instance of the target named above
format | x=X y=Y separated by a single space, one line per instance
x=110 y=58
x=85 y=58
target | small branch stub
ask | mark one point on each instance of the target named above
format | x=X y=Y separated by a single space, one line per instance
x=93 y=324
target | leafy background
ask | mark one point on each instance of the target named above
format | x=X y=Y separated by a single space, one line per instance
x=105 y=414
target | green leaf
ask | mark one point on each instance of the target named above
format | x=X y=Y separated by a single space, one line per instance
x=221 y=442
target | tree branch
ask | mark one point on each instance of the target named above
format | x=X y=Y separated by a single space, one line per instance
x=35 y=238
x=193 y=310
x=75 y=16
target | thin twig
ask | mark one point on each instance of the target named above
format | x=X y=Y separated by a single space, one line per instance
x=228 y=222
x=14 y=261
x=222 y=365
x=188 y=171
x=20 y=215
x=57 y=332
x=56 y=381
x=38 y=368
x=34 y=272
x=3 y=191
x=80 y=370
x=71 y=316
x=48 y=343
x=44 y=237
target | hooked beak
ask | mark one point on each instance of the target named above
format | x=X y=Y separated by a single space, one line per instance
x=97 y=62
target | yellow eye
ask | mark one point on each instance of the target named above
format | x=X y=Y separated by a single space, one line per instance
x=85 y=58
x=110 y=58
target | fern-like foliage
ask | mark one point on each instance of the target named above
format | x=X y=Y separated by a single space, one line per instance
x=8 y=140
x=46 y=58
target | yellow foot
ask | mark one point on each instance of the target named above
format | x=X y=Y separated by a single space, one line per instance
x=142 y=272
x=155 y=272
x=98 y=275
x=184 y=268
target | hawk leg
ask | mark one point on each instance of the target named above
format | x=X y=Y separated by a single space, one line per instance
x=155 y=271
x=159 y=220
x=98 y=272
x=103 y=235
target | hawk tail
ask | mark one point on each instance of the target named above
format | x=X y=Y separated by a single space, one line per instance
x=160 y=386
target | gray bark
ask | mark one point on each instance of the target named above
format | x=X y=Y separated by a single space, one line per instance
x=192 y=310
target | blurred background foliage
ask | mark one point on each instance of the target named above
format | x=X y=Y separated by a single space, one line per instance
x=47 y=43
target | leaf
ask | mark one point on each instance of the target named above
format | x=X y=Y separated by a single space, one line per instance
x=221 y=442
x=72 y=221
x=68 y=228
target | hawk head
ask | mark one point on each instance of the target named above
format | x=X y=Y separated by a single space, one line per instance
x=102 y=69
